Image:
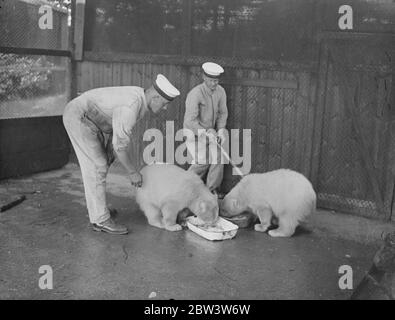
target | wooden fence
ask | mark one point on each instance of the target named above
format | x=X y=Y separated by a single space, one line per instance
x=288 y=107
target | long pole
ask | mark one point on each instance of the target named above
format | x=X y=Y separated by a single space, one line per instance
x=230 y=160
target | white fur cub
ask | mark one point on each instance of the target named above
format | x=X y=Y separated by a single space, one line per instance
x=167 y=189
x=284 y=194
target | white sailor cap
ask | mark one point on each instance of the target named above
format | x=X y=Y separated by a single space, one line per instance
x=165 y=88
x=212 y=69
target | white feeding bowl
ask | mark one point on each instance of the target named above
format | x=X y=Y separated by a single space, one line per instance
x=221 y=230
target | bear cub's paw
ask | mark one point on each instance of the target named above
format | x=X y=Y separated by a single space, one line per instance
x=175 y=227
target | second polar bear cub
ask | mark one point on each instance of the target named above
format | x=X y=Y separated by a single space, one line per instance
x=167 y=189
x=284 y=194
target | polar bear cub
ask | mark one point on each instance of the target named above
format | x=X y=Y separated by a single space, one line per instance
x=284 y=194
x=167 y=189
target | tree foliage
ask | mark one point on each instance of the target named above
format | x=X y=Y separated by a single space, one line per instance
x=266 y=29
x=23 y=77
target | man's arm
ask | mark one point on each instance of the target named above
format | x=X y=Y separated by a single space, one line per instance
x=124 y=119
x=191 y=117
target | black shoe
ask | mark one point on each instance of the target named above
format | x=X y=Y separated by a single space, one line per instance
x=110 y=226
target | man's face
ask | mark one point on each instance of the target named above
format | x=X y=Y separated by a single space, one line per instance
x=158 y=103
x=211 y=83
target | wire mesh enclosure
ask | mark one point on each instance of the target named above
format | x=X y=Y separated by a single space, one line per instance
x=134 y=26
x=221 y=28
x=33 y=82
x=33 y=86
x=21 y=28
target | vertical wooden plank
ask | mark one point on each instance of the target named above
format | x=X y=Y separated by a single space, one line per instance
x=79 y=81
x=74 y=68
x=155 y=69
x=343 y=172
x=293 y=160
x=177 y=107
x=92 y=69
x=116 y=74
x=187 y=27
x=82 y=79
x=93 y=72
x=100 y=81
x=269 y=133
x=251 y=118
x=97 y=74
x=108 y=74
x=237 y=109
x=137 y=75
x=333 y=162
x=301 y=107
x=366 y=119
x=388 y=165
x=79 y=30
x=126 y=74
x=286 y=143
x=391 y=171
x=326 y=154
x=180 y=75
x=88 y=77
x=281 y=92
x=275 y=124
x=83 y=71
x=238 y=106
x=177 y=114
x=262 y=123
x=320 y=98
x=312 y=87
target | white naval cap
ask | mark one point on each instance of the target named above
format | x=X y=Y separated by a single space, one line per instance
x=212 y=69
x=165 y=88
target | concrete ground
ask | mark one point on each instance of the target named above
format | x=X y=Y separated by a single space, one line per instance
x=51 y=227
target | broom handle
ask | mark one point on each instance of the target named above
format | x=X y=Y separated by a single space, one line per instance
x=229 y=159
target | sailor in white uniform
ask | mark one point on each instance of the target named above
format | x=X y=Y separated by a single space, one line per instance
x=99 y=122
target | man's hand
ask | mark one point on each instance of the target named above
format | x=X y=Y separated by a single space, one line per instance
x=212 y=135
x=136 y=179
x=222 y=136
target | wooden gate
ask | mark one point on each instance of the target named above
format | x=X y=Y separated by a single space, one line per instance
x=355 y=170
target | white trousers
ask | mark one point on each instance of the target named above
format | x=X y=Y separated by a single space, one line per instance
x=206 y=158
x=94 y=153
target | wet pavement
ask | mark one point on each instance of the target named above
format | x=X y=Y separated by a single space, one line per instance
x=51 y=227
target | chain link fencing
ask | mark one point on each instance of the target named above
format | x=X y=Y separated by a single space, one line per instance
x=33 y=85
x=33 y=24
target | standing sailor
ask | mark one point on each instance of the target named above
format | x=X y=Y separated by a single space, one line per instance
x=206 y=113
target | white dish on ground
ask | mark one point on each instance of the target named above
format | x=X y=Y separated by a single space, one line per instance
x=222 y=230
